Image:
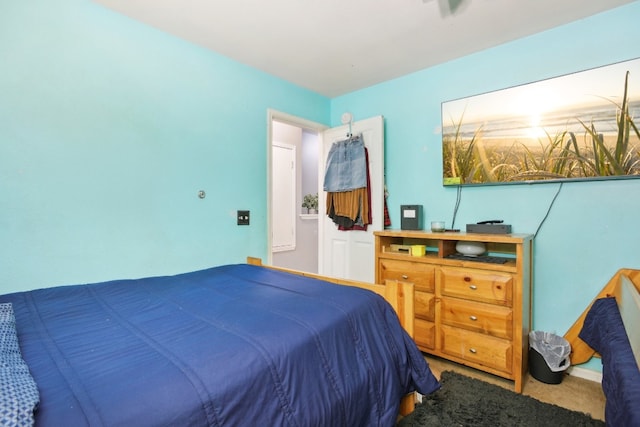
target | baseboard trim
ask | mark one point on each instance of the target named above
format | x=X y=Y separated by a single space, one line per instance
x=586 y=374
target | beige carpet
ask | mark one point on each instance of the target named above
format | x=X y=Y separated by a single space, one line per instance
x=576 y=394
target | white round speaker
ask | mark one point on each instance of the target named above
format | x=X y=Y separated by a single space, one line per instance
x=470 y=248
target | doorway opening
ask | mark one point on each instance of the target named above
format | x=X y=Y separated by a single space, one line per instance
x=292 y=172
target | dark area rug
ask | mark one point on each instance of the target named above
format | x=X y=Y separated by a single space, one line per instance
x=464 y=401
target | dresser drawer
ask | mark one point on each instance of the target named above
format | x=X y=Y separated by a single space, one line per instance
x=478 y=317
x=477 y=285
x=477 y=348
x=424 y=304
x=420 y=274
x=424 y=333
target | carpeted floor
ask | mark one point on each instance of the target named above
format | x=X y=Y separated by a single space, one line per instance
x=464 y=401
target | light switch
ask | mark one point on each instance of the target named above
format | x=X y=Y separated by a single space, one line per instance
x=243 y=217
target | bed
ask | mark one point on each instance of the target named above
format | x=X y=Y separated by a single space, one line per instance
x=609 y=329
x=234 y=345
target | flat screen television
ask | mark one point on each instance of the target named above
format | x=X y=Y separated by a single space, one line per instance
x=579 y=126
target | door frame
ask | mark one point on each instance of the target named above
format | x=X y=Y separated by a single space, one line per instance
x=275 y=115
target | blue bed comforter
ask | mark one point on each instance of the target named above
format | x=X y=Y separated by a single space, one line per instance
x=604 y=331
x=236 y=345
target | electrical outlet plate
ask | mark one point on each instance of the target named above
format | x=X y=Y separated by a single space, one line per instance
x=243 y=217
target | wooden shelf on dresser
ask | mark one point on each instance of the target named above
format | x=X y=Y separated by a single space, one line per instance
x=474 y=313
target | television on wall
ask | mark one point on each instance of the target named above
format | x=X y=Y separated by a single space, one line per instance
x=579 y=126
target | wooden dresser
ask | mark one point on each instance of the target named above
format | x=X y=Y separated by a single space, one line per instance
x=474 y=313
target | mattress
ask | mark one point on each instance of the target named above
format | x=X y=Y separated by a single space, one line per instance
x=231 y=345
x=604 y=331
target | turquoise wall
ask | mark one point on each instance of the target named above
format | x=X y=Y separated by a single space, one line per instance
x=108 y=130
x=592 y=230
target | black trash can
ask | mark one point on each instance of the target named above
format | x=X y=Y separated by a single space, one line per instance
x=539 y=369
x=548 y=357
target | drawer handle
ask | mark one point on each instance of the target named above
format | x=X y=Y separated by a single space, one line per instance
x=473 y=350
x=473 y=287
x=405 y=277
x=474 y=318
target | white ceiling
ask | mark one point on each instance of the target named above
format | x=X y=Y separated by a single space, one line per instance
x=337 y=46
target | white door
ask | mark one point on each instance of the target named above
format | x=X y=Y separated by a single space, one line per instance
x=284 y=197
x=350 y=254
